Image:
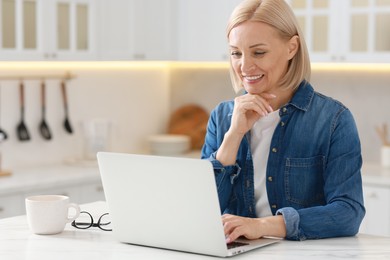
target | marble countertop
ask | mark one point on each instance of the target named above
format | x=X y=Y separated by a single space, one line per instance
x=80 y=172
x=17 y=242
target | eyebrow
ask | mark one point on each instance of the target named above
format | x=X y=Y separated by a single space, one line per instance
x=257 y=45
x=252 y=46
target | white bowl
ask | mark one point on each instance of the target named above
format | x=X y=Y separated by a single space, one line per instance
x=167 y=144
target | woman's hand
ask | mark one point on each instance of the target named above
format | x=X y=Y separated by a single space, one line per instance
x=235 y=226
x=248 y=109
x=252 y=228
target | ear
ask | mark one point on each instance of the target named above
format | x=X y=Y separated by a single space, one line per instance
x=293 y=46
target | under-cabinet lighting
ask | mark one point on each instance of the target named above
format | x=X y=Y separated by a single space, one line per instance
x=124 y=65
x=361 y=67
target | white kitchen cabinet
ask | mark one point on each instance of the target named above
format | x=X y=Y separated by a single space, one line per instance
x=377 y=203
x=91 y=192
x=345 y=31
x=80 y=182
x=137 y=30
x=48 y=30
x=201 y=33
x=11 y=205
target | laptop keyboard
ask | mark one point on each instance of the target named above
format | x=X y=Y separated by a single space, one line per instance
x=236 y=244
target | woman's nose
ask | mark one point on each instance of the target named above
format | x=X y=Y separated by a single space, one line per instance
x=247 y=65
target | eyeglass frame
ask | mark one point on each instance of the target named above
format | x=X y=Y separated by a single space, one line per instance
x=100 y=225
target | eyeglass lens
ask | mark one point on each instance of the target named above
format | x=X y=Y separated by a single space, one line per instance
x=85 y=222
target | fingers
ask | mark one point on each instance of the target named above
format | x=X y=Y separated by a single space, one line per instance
x=248 y=109
x=256 y=103
x=234 y=227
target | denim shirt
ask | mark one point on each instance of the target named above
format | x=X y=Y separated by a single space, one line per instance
x=313 y=176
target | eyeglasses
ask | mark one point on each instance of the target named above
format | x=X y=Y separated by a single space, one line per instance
x=103 y=222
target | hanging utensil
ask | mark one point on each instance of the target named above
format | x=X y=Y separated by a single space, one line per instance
x=3 y=134
x=22 y=131
x=43 y=127
x=67 y=125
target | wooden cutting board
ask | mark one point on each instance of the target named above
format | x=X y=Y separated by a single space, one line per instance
x=190 y=120
x=4 y=173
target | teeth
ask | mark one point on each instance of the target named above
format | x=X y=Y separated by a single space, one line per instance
x=254 y=77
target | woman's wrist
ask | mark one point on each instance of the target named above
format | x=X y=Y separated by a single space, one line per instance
x=272 y=226
x=227 y=152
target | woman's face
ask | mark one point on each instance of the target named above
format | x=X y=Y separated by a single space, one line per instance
x=259 y=56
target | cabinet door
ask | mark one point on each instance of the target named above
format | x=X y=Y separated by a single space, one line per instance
x=116 y=33
x=47 y=30
x=316 y=19
x=377 y=203
x=154 y=30
x=137 y=30
x=20 y=27
x=91 y=193
x=368 y=31
x=351 y=30
x=11 y=205
x=202 y=29
x=69 y=27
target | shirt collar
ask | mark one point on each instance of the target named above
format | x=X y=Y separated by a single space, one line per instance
x=303 y=96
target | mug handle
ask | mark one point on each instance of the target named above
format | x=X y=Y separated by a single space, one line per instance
x=76 y=215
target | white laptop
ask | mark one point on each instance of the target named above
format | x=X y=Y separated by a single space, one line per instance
x=167 y=202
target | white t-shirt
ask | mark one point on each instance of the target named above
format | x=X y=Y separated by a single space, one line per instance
x=261 y=135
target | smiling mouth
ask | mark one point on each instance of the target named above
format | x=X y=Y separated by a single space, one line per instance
x=253 y=78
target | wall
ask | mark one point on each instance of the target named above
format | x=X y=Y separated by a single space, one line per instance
x=365 y=90
x=139 y=97
x=134 y=98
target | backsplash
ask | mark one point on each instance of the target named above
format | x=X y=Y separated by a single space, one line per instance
x=138 y=99
x=135 y=100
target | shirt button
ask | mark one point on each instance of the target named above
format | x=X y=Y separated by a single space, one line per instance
x=284 y=110
x=282 y=123
x=274 y=150
x=270 y=178
x=273 y=206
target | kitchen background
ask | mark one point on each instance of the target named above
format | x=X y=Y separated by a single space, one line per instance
x=136 y=62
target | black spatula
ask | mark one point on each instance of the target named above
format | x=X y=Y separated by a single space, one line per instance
x=43 y=127
x=21 y=130
x=67 y=125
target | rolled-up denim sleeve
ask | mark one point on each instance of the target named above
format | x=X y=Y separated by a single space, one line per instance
x=225 y=177
x=291 y=220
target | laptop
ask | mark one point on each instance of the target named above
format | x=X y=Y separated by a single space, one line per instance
x=167 y=202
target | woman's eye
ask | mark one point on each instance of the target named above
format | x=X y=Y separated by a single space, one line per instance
x=259 y=53
x=235 y=54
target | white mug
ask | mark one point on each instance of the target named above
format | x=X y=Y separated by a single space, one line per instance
x=48 y=214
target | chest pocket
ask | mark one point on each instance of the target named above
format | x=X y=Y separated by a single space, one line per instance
x=303 y=180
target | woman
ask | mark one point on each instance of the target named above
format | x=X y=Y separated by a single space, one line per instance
x=286 y=159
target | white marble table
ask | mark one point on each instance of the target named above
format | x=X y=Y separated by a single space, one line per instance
x=17 y=242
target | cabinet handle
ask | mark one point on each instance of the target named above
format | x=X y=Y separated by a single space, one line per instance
x=99 y=189
x=372 y=195
x=1 y=209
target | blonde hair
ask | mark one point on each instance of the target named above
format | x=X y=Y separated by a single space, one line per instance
x=278 y=14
